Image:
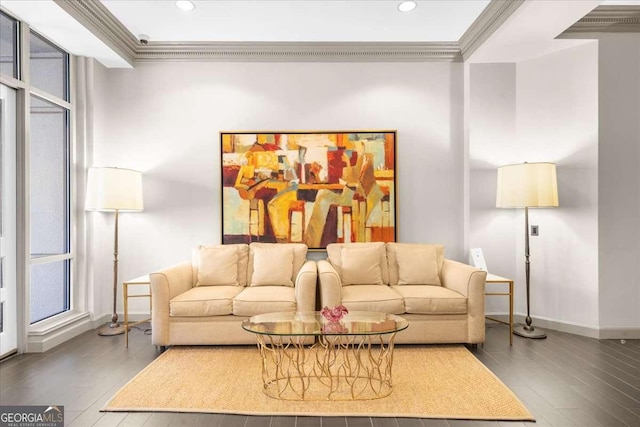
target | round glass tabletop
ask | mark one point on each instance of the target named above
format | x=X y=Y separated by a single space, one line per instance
x=313 y=323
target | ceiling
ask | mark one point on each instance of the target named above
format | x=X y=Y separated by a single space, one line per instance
x=315 y=30
x=298 y=20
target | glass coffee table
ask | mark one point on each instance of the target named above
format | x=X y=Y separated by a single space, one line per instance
x=307 y=357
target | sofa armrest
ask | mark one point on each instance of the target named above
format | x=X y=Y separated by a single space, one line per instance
x=330 y=284
x=166 y=284
x=306 y=282
x=470 y=282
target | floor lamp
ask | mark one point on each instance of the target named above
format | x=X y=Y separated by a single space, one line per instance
x=114 y=190
x=527 y=185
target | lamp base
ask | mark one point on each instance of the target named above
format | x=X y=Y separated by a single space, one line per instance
x=111 y=329
x=528 y=332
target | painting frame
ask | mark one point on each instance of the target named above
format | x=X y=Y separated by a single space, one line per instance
x=312 y=187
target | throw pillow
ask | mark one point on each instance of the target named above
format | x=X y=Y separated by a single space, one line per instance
x=361 y=266
x=217 y=265
x=272 y=266
x=418 y=265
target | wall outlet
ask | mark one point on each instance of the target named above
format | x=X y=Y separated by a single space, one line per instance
x=534 y=230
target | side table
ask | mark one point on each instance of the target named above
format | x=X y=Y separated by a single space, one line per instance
x=492 y=278
x=140 y=281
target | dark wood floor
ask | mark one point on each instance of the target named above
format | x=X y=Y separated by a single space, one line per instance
x=565 y=380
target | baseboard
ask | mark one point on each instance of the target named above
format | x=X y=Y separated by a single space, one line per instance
x=542 y=323
x=571 y=328
x=99 y=321
x=619 y=333
x=106 y=318
x=500 y=316
x=47 y=338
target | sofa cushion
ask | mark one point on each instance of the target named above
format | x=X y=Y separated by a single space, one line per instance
x=426 y=299
x=372 y=298
x=396 y=249
x=417 y=265
x=361 y=266
x=204 y=301
x=264 y=299
x=272 y=265
x=334 y=254
x=218 y=265
x=299 y=257
x=243 y=261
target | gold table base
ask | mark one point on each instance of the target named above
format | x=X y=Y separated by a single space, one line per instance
x=337 y=367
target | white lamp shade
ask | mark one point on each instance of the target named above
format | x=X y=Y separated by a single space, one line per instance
x=110 y=189
x=531 y=185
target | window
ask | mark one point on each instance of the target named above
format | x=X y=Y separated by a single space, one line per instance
x=49 y=181
x=49 y=67
x=50 y=211
x=8 y=46
x=45 y=205
x=49 y=289
x=49 y=178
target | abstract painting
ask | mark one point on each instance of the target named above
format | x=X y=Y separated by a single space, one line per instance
x=315 y=188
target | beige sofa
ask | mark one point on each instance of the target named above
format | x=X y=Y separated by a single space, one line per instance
x=443 y=300
x=204 y=301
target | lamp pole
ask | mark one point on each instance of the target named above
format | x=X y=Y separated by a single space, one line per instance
x=527 y=331
x=114 y=328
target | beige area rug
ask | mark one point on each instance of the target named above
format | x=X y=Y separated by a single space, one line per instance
x=428 y=382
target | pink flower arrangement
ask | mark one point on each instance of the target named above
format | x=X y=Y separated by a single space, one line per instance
x=334 y=314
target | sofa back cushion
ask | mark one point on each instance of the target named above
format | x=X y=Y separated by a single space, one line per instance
x=415 y=264
x=275 y=264
x=220 y=265
x=272 y=266
x=361 y=266
x=359 y=263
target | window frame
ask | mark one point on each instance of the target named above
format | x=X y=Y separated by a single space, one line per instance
x=51 y=321
x=27 y=332
x=17 y=47
x=68 y=254
x=66 y=91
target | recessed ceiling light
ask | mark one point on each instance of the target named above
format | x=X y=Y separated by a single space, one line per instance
x=407 y=6
x=185 y=5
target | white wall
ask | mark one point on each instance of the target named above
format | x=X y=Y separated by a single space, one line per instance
x=544 y=109
x=619 y=183
x=164 y=119
x=557 y=121
x=493 y=132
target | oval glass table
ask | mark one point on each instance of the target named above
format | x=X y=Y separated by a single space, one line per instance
x=307 y=357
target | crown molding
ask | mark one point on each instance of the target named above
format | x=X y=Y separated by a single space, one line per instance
x=609 y=19
x=102 y=23
x=94 y=16
x=297 y=51
x=97 y=19
x=491 y=18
